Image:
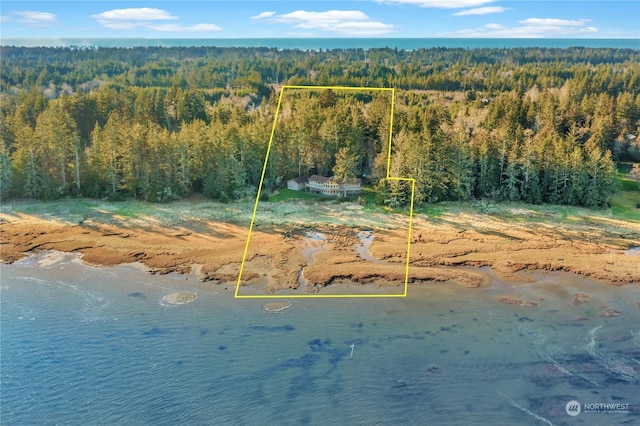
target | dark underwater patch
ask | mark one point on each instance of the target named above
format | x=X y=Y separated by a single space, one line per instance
x=156 y=331
x=299 y=385
x=403 y=337
x=336 y=358
x=316 y=345
x=272 y=329
x=305 y=362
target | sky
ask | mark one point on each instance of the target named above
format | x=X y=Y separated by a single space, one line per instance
x=276 y=19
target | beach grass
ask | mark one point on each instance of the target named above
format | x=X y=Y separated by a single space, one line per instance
x=303 y=207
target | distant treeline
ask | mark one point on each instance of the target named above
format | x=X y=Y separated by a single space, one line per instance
x=540 y=125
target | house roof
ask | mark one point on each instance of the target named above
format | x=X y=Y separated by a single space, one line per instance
x=299 y=179
x=317 y=178
x=355 y=181
x=324 y=179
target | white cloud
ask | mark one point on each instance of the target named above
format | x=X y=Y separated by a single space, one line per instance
x=440 y=4
x=301 y=35
x=343 y=22
x=530 y=28
x=146 y=17
x=263 y=15
x=481 y=11
x=31 y=17
x=198 y=28
x=549 y=22
x=134 y=14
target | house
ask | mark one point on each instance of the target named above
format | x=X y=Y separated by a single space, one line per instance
x=351 y=187
x=317 y=184
x=297 y=184
x=332 y=187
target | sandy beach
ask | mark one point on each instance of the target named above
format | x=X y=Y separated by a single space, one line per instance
x=288 y=250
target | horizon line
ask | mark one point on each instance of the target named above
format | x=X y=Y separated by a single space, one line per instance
x=320 y=37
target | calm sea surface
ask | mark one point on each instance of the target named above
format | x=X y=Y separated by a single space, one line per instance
x=326 y=43
x=81 y=345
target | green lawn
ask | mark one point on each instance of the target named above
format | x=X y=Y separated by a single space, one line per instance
x=368 y=195
x=627 y=196
x=623 y=206
x=289 y=194
x=625 y=183
x=624 y=168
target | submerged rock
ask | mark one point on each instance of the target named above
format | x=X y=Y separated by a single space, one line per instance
x=611 y=313
x=180 y=298
x=276 y=306
x=515 y=300
x=580 y=298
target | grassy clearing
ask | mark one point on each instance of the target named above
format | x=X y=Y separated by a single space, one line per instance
x=625 y=183
x=627 y=196
x=624 y=168
x=289 y=194
x=130 y=212
x=369 y=196
x=308 y=207
x=433 y=211
x=623 y=206
x=289 y=206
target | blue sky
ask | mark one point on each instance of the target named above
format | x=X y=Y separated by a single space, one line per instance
x=267 y=19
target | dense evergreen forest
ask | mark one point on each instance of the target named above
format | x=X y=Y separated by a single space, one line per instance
x=539 y=125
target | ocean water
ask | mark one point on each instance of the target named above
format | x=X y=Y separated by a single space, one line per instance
x=327 y=43
x=83 y=345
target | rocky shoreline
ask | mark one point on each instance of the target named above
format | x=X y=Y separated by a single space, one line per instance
x=442 y=250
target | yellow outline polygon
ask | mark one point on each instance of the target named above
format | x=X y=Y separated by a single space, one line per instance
x=264 y=169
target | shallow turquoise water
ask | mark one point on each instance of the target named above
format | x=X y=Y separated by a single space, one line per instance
x=81 y=345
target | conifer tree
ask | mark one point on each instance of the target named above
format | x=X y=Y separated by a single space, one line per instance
x=6 y=174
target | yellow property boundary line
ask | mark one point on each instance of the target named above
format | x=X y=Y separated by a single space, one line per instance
x=264 y=169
